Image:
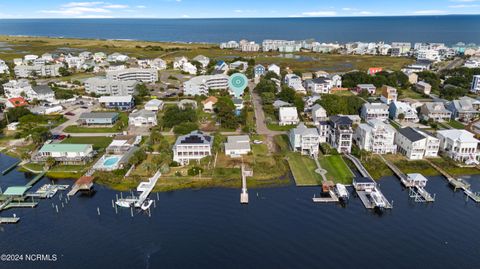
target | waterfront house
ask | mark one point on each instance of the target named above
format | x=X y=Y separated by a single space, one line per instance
x=237 y=145
x=372 y=111
x=304 y=140
x=117 y=102
x=209 y=103
x=340 y=133
x=288 y=116
x=98 y=118
x=389 y=94
x=402 y=108
x=435 y=111
x=193 y=146
x=154 y=105
x=416 y=144
x=142 y=117
x=122 y=144
x=65 y=153
x=376 y=136
x=459 y=145
x=318 y=114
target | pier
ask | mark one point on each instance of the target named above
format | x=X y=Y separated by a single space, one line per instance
x=244 y=193
x=332 y=198
x=9 y=220
x=417 y=190
x=457 y=183
x=10 y=168
x=146 y=187
x=85 y=183
x=367 y=189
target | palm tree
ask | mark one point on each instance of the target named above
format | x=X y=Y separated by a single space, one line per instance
x=49 y=162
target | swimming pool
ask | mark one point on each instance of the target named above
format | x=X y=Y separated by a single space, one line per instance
x=111 y=161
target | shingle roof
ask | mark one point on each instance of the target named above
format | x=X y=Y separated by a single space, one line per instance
x=411 y=134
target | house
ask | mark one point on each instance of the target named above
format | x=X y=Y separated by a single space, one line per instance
x=99 y=57
x=295 y=82
x=16 y=102
x=318 y=114
x=239 y=65
x=16 y=88
x=158 y=64
x=200 y=85
x=319 y=85
x=370 y=88
x=372 y=111
x=412 y=77
x=221 y=68
x=279 y=103
x=389 y=94
x=117 y=57
x=376 y=136
x=189 y=68
x=423 y=87
x=373 y=70
x=416 y=144
x=65 y=153
x=288 y=116
x=459 y=145
x=435 y=111
x=98 y=118
x=304 y=140
x=203 y=60
x=4 y=67
x=237 y=145
x=125 y=102
x=142 y=117
x=209 y=103
x=402 y=108
x=193 y=146
x=122 y=144
x=186 y=103
x=178 y=62
x=259 y=70
x=307 y=75
x=274 y=68
x=464 y=109
x=41 y=93
x=154 y=105
x=106 y=86
x=340 y=133
x=238 y=103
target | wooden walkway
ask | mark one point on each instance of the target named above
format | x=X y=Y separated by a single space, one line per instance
x=359 y=165
x=9 y=220
x=332 y=199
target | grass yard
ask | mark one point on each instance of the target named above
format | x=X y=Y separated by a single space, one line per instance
x=303 y=170
x=99 y=142
x=452 y=168
x=337 y=169
x=276 y=127
x=412 y=166
x=75 y=129
x=456 y=124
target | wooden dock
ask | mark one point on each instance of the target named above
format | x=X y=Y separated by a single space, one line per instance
x=333 y=198
x=10 y=168
x=359 y=165
x=244 y=193
x=36 y=179
x=85 y=183
x=9 y=220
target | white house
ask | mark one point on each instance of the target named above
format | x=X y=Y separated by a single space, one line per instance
x=193 y=146
x=459 y=145
x=65 y=153
x=288 y=116
x=409 y=113
x=370 y=88
x=189 y=68
x=295 y=82
x=154 y=105
x=319 y=85
x=318 y=114
x=376 y=136
x=423 y=87
x=178 y=62
x=159 y=64
x=16 y=88
x=209 y=103
x=274 y=68
x=304 y=140
x=142 y=118
x=237 y=145
x=203 y=60
x=415 y=144
x=3 y=67
x=201 y=84
x=372 y=111
x=41 y=93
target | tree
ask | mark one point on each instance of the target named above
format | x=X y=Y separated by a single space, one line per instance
x=142 y=90
x=401 y=116
x=50 y=161
x=185 y=128
x=64 y=72
x=287 y=94
x=225 y=110
x=175 y=116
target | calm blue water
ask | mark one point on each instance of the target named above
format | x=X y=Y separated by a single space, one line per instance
x=448 y=29
x=280 y=229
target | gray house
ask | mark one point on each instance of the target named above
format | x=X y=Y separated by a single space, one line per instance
x=98 y=118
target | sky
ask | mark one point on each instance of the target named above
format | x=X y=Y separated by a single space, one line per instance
x=231 y=8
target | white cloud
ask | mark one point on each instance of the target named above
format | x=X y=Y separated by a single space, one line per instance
x=82 y=4
x=185 y=15
x=76 y=11
x=93 y=9
x=463 y=1
x=141 y=6
x=463 y=6
x=348 y=9
x=320 y=13
x=429 y=12
x=116 y=6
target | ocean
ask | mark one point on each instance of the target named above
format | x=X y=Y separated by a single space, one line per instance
x=280 y=228
x=447 y=29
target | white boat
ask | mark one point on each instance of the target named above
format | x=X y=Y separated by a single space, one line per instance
x=146 y=204
x=377 y=200
x=128 y=202
x=342 y=191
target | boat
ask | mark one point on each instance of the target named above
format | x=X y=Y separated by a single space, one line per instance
x=127 y=202
x=342 y=192
x=377 y=200
x=146 y=204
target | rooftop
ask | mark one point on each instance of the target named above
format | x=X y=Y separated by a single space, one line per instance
x=65 y=147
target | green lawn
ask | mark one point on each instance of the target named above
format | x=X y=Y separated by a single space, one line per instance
x=337 y=169
x=276 y=127
x=456 y=124
x=99 y=142
x=75 y=129
x=303 y=170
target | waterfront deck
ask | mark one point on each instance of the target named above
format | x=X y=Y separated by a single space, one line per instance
x=85 y=183
x=9 y=220
x=244 y=193
x=333 y=198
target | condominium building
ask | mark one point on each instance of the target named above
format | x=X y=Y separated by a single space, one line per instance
x=106 y=86
x=201 y=84
x=376 y=136
x=475 y=84
x=304 y=140
x=27 y=71
x=416 y=144
x=193 y=146
x=148 y=75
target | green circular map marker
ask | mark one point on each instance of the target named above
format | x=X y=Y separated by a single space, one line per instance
x=237 y=83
